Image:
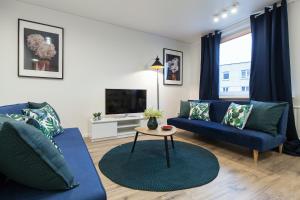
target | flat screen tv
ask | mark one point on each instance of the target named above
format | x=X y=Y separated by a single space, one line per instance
x=120 y=101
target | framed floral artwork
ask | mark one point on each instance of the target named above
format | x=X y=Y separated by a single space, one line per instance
x=173 y=67
x=40 y=50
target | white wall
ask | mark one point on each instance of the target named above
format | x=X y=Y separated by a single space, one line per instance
x=96 y=56
x=294 y=36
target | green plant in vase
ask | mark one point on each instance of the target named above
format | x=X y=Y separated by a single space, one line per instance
x=152 y=116
x=97 y=116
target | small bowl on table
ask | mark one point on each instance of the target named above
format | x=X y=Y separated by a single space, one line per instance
x=166 y=127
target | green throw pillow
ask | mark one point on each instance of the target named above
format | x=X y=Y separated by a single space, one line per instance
x=184 y=109
x=29 y=158
x=199 y=111
x=237 y=115
x=49 y=108
x=265 y=116
x=49 y=124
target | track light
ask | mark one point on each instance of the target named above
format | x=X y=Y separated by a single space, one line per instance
x=224 y=14
x=234 y=8
x=216 y=18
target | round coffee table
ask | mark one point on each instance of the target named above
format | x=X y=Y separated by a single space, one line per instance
x=159 y=133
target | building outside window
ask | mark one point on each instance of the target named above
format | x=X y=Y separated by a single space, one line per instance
x=225 y=75
x=245 y=73
x=235 y=60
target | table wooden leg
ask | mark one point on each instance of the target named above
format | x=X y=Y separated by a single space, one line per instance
x=135 y=138
x=172 y=141
x=167 y=151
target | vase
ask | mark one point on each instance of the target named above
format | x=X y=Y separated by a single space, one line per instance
x=152 y=123
x=42 y=65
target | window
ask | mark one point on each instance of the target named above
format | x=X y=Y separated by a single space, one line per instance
x=225 y=75
x=245 y=74
x=235 y=63
x=225 y=89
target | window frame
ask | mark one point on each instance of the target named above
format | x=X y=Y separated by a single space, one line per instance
x=227 y=38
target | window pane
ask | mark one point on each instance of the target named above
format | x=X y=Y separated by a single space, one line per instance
x=235 y=63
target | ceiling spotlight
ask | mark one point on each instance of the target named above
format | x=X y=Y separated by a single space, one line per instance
x=224 y=14
x=216 y=18
x=234 y=8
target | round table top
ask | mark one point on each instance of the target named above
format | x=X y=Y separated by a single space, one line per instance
x=157 y=132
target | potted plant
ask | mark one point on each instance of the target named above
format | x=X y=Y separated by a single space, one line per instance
x=97 y=116
x=152 y=116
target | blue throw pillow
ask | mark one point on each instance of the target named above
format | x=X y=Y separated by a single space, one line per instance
x=29 y=158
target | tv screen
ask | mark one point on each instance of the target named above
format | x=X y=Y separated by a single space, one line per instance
x=119 y=101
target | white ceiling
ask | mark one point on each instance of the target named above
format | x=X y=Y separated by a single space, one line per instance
x=184 y=20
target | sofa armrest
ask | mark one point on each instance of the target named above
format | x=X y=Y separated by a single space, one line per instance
x=282 y=125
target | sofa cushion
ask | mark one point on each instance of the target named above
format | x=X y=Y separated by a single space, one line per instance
x=199 y=111
x=265 y=116
x=44 y=106
x=237 y=115
x=80 y=164
x=248 y=138
x=28 y=157
x=49 y=124
x=184 y=109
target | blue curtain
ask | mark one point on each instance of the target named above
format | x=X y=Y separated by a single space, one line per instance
x=209 y=77
x=270 y=78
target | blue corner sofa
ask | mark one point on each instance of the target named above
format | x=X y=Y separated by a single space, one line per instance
x=79 y=161
x=254 y=140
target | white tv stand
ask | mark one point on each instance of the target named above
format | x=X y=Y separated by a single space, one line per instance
x=114 y=127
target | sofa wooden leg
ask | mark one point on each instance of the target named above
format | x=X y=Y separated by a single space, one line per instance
x=255 y=156
x=280 y=148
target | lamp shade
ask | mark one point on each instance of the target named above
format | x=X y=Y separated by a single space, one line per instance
x=157 y=64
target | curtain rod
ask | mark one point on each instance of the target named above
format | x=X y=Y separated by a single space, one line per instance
x=247 y=18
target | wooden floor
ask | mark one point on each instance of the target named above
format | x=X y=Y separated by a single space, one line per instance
x=277 y=176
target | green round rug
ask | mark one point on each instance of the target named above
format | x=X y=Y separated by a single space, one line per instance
x=146 y=167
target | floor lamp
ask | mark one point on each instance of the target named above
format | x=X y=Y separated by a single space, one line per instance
x=157 y=66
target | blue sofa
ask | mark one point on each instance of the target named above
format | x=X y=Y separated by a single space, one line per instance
x=78 y=160
x=254 y=140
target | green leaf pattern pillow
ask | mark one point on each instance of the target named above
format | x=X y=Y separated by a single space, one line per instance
x=199 y=111
x=49 y=124
x=237 y=115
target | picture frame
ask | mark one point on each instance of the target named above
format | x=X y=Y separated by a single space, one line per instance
x=40 y=50
x=173 y=67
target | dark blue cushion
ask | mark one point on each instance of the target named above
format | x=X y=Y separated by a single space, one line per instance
x=82 y=167
x=13 y=109
x=248 y=138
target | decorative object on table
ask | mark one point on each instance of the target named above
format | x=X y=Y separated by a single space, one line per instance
x=152 y=116
x=199 y=111
x=97 y=116
x=157 y=66
x=173 y=67
x=145 y=169
x=166 y=127
x=237 y=115
x=40 y=50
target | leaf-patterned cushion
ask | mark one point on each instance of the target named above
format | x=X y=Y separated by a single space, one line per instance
x=199 y=111
x=49 y=124
x=237 y=115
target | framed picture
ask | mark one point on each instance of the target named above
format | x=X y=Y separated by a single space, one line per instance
x=40 y=50
x=173 y=67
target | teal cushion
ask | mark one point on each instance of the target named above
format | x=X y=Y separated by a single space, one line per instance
x=29 y=158
x=265 y=116
x=33 y=105
x=184 y=109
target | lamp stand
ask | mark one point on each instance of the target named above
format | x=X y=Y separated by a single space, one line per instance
x=157 y=81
